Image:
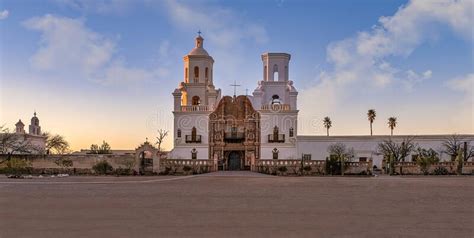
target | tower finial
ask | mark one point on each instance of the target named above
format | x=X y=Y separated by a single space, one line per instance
x=199 y=32
x=34 y=114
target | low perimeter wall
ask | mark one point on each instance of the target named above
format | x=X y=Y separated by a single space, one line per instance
x=309 y=167
x=441 y=168
x=81 y=164
x=186 y=166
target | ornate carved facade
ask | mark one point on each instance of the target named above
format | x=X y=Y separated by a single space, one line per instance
x=234 y=133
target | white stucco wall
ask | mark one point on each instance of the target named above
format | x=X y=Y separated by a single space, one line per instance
x=366 y=146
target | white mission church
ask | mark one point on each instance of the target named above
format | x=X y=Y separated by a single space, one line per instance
x=236 y=131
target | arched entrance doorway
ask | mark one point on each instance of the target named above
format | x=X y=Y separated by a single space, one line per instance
x=234 y=160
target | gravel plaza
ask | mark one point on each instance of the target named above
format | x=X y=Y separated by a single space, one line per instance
x=237 y=204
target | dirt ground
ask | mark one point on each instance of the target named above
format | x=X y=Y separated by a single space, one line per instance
x=239 y=204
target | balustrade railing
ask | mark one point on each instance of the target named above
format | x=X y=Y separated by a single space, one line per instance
x=193 y=139
x=194 y=108
x=276 y=107
x=276 y=138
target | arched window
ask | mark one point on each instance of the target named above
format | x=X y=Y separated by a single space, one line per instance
x=196 y=74
x=194 y=153
x=287 y=73
x=206 y=73
x=275 y=73
x=275 y=153
x=276 y=99
x=196 y=101
x=179 y=133
x=184 y=98
x=186 y=75
x=291 y=132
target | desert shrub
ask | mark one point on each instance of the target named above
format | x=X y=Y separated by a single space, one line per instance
x=205 y=169
x=166 y=171
x=103 y=167
x=440 y=171
x=17 y=166
x=282 y=169
x=123 y=171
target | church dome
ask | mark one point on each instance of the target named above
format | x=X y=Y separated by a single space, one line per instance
x=198 y=51
x=34 y=120
x=199 y=48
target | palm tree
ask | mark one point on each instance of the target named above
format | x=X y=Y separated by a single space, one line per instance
x=327 y=124
x=392 y=123
x=371 y=116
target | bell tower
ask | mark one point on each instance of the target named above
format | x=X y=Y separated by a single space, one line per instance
x=194 y=99
x=275 y=98
x=197 y=91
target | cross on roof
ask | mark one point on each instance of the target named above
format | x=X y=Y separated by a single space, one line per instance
x=235 y=85
x=199 y=32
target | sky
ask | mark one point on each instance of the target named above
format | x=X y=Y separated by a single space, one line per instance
x=97 y=70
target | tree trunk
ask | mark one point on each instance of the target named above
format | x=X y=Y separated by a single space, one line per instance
x=327 y=131
x=391 y=132
x=371 y=128
x=342 y=166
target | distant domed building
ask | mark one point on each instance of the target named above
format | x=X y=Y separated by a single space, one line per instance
x=33 y=141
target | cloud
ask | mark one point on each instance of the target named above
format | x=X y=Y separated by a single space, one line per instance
x=222 y=26
x=463 y=84
x=98 y=6
x=227 y=32
x=4 y=14
x=363 y=62
x=68 y=47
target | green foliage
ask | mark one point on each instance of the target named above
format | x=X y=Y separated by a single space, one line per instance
x=282 y=169
x=425 y=158
x=17 y=166
x=187 y=168
x=307 y=168
x=102 y=149
x=339 y=155
x=64 y=163
x=56 y=144
x=123 y=171
x=441 y=171
x=103 y=167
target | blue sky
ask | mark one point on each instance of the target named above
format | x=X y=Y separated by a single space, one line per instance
x=105 y=69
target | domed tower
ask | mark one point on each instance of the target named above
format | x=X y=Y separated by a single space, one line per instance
x=35 y=128
x=194 y=99
x=197 y=91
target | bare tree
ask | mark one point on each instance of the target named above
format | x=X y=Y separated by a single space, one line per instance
x=396 y=152
x=341 y=153
x=455 y=145
x=56 y=144
x=162 y=133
